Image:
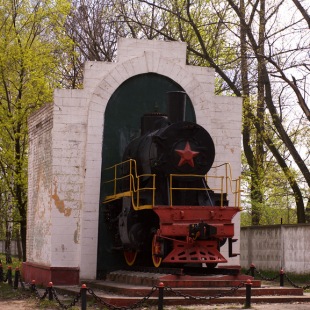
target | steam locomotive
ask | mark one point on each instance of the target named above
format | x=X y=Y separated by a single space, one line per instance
x=161 y=206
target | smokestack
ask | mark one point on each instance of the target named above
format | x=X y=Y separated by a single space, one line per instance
x=176 y=106
x=152 y=121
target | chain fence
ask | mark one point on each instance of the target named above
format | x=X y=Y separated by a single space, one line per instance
x=86 y=293
x=281 y=276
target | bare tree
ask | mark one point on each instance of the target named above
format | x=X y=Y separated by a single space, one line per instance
x=303 y=11
x=259 y=51
x=93 y=26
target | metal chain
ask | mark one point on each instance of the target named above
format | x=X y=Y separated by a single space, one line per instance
x=272 y=279
x=187 y=296
x=133 y=306
x=26 y=286
x=295 y=285
x=22 y=283
x=38 y=293
x=265 y=278
x=143 y=300
x=62 y=305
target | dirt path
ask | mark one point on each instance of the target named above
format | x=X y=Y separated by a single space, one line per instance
x=18 y=305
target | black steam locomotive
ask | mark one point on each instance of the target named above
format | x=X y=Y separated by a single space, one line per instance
x=161 y=206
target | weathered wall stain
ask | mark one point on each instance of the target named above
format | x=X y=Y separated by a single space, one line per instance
x=76 y=236
x=60 y=204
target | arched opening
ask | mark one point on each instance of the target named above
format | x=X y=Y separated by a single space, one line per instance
x=138 y=95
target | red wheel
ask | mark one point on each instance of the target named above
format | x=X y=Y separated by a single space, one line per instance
x=156 y=251
x=130 y=257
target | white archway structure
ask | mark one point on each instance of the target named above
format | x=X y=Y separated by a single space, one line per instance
x=66 y=153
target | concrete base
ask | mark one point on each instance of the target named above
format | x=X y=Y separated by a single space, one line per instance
x=178 y=281
x=126 y=289
x=45 y=274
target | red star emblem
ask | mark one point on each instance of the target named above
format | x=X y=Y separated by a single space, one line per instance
x=187 y=155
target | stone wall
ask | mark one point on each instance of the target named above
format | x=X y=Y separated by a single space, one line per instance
x=276 y=247
x=14 y=247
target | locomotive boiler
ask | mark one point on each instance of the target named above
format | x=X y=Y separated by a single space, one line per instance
x=160 y=206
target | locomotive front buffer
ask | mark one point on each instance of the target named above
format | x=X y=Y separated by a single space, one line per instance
x=194 y=240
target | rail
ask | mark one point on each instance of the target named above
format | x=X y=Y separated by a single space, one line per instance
x=131 y=182
x=191 y=176
x=232 y=186
x=127 y=183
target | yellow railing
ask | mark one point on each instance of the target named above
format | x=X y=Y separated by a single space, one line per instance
x=131 y=181
x=228 y=184
x=221 y=184
x=185 y=176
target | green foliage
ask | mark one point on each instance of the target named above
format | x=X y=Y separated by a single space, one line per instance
x=30 y=45
x=278 y=203
x=6 y=291
x=15 y=263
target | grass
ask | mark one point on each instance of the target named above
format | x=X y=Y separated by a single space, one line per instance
x=7 y=292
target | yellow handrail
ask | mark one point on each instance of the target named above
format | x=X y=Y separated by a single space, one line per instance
x=232 y=186
x=133 y=184
x=198 y=176
x=134 y=187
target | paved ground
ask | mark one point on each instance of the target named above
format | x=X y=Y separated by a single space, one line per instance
x=32 y=305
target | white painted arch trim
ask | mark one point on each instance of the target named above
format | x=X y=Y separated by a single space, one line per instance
x=197 y=82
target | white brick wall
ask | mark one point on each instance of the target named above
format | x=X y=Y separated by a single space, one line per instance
x=128 y=49
x=64 y=206
x=39 y=180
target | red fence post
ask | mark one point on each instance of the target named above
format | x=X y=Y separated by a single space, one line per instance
x=281 y=277
x=83 y=297
x=248 y=286
x=252 y=270
x=33 y=285
x=50 y=291
x=9 y=276
x=16 y=277
x=161 y=287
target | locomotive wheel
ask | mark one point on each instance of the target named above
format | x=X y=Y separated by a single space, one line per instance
x=156 y=251
x=130 y=257
x=211 y=266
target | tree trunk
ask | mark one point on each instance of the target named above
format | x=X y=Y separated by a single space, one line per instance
x=19 y=246
x=23 y=233
x=8 y=238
